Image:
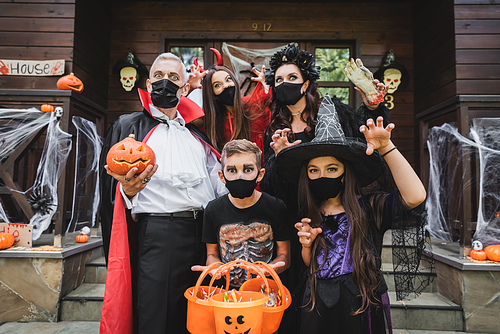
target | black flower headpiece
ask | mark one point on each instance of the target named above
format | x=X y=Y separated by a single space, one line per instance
x=292 y=54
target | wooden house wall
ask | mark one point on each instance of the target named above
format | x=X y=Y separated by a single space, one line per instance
x=58 y=29
x=435 y=78
x=30 y=30
x=477 y=29
x=143 y=26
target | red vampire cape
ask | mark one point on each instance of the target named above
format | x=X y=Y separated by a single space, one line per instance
x=118 y=229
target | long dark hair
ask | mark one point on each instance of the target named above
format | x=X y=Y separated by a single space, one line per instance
x=281 y=117
x=215 y=112
x=365 y=271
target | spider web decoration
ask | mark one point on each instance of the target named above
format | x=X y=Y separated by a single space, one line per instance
x=19 y=125
x=88 y=149
x=328 y=127
x=454 y=158
x=241 y=59
x=412 y=271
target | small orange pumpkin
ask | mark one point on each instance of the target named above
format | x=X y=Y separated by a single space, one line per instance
x=82 y=238
x=6 y=240
x=129 y=153
x=70 y=82
x=493 y=252
x=478 y=255
x=47 y=108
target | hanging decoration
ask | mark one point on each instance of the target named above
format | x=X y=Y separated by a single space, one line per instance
x=86 y=181
x=129 y=71
x=452 y=159
x=32 y=67
x=393 y=74
x=244 y=59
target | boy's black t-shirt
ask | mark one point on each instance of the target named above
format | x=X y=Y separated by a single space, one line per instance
x=246 y=234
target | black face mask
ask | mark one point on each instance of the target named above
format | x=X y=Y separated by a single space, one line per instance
x=240 y=188
x=326 y=187
x=227 y=96
x=164 y=94
x=289 y=93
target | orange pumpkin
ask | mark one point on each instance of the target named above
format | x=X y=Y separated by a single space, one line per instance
x=70 y=82
x=6 y=240
x=493 y=252
x=478 y=255
x=129 y=153
x=47 y=108
x=82 y=238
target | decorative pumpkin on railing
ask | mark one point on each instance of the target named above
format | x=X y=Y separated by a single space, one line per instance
x=6 y=240
x=477 y=252
x=83 y=236
x=493 y=252
x=129 y=153
x=70 y=82
x=47 y=108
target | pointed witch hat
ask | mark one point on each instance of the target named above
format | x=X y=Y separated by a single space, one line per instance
x=330 y=140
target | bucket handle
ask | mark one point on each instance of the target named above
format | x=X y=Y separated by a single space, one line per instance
x=202 y=277
x=275 y=277
x=242 y=264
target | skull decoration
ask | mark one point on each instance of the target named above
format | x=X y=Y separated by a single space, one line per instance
x=128 y=76
x=477 y=245
x=392 y=77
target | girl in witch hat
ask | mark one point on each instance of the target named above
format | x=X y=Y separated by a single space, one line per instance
x=341 y=232
x=229 y=116
x=293 y=77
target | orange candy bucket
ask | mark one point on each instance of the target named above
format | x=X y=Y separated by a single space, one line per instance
x=244 y=310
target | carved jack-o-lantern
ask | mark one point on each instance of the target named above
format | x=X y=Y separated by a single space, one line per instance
x=129 y=153
x=70 y=82
x=128 y=76
x=237 y=323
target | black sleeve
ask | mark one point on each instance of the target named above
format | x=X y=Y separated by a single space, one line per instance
x=281 y=233
x=209 y=234
x=272 y=183
x=364 y=113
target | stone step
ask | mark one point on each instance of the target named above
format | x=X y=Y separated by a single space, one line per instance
x=84 y=303
x=388 y=272
x=95 y=271
x=430 y=311
x=84 y=327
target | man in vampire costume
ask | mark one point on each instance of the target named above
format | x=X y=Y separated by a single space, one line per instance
x=152 y=221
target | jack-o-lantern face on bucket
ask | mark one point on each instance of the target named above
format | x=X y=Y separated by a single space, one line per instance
x=70 y=82
x=236 y=325
x=129 y=153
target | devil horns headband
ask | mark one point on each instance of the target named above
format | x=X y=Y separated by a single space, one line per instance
x=220 y=61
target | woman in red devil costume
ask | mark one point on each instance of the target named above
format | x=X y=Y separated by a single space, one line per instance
x=229 y=116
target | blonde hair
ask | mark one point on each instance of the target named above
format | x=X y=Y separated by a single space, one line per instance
x=241 y=146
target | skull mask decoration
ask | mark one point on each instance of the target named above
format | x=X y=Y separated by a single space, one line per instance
x=392 y=77
x=128 y=76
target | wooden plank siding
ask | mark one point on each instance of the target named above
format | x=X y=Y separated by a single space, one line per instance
x=477 y=28
x=434 y=53
x=58 y=29
x=36 y=31
x=142 y=28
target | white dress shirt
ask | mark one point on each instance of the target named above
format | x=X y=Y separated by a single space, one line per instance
x=187 y=176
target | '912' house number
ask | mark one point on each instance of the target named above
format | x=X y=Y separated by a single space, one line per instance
x=265 y=26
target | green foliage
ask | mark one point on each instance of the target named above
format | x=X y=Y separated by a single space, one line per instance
x=332 y=62
x=340 y=92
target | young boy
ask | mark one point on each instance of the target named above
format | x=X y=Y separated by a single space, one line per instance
x=245 y=224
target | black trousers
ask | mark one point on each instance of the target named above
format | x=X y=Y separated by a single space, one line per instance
x=168 y=247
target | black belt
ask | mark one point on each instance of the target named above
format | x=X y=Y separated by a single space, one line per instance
x=181 y=214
